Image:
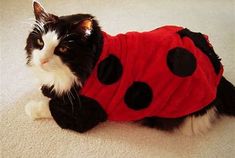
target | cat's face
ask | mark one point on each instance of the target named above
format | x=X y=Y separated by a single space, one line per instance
x=62 y=50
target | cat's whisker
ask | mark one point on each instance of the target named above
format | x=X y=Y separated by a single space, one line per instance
x=72 y=95
x=79 y=102
x=34 y=33
x=28 y=24
x=39 y=27
x=32 y=20
x=35 y=24
x=75 y=91
x=69 y=97
x=78 y=97
x=36 y=30
x=63 y=99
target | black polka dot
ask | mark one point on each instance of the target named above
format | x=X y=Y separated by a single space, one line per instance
x=181 y=62
x=138 y=96
x=109 y=70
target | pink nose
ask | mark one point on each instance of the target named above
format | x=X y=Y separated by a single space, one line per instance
x=44 y=61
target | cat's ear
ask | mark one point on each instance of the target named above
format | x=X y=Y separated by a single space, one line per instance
x=41 y=15
x=85 y=26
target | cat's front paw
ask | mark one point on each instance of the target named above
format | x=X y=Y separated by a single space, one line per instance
x=38 y=110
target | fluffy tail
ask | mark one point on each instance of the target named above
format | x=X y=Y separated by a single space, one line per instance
x=226 y=97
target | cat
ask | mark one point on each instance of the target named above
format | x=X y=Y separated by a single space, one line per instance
x=66 y=54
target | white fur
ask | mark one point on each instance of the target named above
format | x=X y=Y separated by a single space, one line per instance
x=53 y=71
x=199 y=125
x=60 y=76
x=50 y=40
x=50 y=70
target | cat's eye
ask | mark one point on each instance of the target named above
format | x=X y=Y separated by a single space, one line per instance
x=63 y=49
x=40 y=42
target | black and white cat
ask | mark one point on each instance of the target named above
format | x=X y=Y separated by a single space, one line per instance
x=63 y=51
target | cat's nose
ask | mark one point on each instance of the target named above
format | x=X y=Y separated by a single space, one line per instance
x=44 y=61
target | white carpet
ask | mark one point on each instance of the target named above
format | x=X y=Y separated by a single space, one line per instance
x=22 y=137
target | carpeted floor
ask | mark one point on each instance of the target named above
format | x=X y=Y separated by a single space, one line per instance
x=22 y=137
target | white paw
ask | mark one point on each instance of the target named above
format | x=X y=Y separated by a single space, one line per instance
x=38 y=109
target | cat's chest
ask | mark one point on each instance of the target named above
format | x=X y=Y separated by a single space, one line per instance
x=62 y=79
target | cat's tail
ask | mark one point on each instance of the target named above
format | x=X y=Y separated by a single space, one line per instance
x=226 y=97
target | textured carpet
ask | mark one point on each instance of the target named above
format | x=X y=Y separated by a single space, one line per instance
x=22 y=137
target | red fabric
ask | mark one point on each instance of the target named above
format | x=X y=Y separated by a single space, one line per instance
x=143 y=56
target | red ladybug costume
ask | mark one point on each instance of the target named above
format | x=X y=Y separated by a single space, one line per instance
x=169 y=72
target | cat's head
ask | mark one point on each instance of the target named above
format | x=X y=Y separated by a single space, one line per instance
x=63 y=50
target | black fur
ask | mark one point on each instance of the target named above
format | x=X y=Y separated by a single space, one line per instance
x=81 y=113
x=74 y=112
x=226 y=96
x=224 y=103
x=167 y=124
x=170 y=124
x=225 y=99
x=69 y=110
x=84 y=51
x=48 y=91
x=200 y=41
x=89 y=49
